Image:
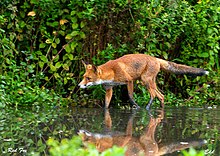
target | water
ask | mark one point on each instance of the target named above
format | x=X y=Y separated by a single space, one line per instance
x=161 y=132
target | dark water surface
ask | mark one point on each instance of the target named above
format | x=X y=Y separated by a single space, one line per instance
x=24 y=132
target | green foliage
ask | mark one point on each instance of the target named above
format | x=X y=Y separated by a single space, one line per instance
x=40 y=39
x=193 y=152
x=19 y=88
x=74 y=146
x=47 y=39
x=188 y=35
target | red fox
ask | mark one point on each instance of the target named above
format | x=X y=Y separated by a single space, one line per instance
x=129 y=68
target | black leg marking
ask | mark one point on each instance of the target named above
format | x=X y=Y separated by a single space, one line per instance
x=149 y=103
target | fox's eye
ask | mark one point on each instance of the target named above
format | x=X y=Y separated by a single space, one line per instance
x=88 y=78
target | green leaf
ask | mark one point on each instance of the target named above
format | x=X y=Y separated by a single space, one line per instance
x=62 y=33
x=56 y=75
x=82 y=24
x=216 y=30
x=38 y=52
x=68 y=37
x=49 y=41
x=70 y=56
x=73 y=13
x=12 y=36
x=65 y=66
x=74 y=33
x=1 y=30
x=39 y=142
x=65 y=80
x=54 y=45
x=68 y=48
x=53 y=68
x=41 y=148
x=44 y=58
x=42 y=45
x=41 y=64
x=74 y=26
x=209 y=30
x=55 y=24
x=56 y=59
x=22 y=24
x=73 y=45
x=205 y=55
x=168 y=44
x=82 y=35
x=58 y=65
x=65 y=57
x=74 y=20
x=165 y=55
x=168 y=36
x=57 y=40
x=46 y=78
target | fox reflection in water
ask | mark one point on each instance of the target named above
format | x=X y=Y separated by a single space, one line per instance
x=142 y=145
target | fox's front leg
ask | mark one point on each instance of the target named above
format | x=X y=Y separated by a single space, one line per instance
x=108 y=95
x=108 y=121
x=130 y=87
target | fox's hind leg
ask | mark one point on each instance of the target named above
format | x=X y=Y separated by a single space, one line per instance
x=152 y=94
x=148 y=82
x=148 y=78
x=160 y=97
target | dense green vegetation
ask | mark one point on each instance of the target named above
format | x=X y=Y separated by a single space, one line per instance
x=43 y=42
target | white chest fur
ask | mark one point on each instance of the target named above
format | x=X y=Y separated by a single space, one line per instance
x=108 y=82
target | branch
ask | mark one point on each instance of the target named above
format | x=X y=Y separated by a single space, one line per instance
x=199 y=89
x=58 y=54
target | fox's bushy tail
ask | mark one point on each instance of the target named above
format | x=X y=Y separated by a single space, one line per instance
x=181 y=69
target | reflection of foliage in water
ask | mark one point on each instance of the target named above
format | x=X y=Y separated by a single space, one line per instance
x=31 y=129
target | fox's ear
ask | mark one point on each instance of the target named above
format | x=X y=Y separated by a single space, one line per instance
x=95 y=68
x=91 y=67
x=84 y=63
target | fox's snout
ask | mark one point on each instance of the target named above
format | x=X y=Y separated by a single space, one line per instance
x=84 y=132
x=81 y=85
x=85 y=85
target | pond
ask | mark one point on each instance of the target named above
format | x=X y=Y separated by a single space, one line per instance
x=24 y=132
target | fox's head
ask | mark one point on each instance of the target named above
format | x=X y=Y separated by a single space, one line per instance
x=102 y=142
x=91 y=76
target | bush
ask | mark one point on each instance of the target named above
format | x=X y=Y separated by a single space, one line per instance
x=193 y=152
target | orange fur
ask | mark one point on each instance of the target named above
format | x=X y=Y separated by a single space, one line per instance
x=129 y=68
